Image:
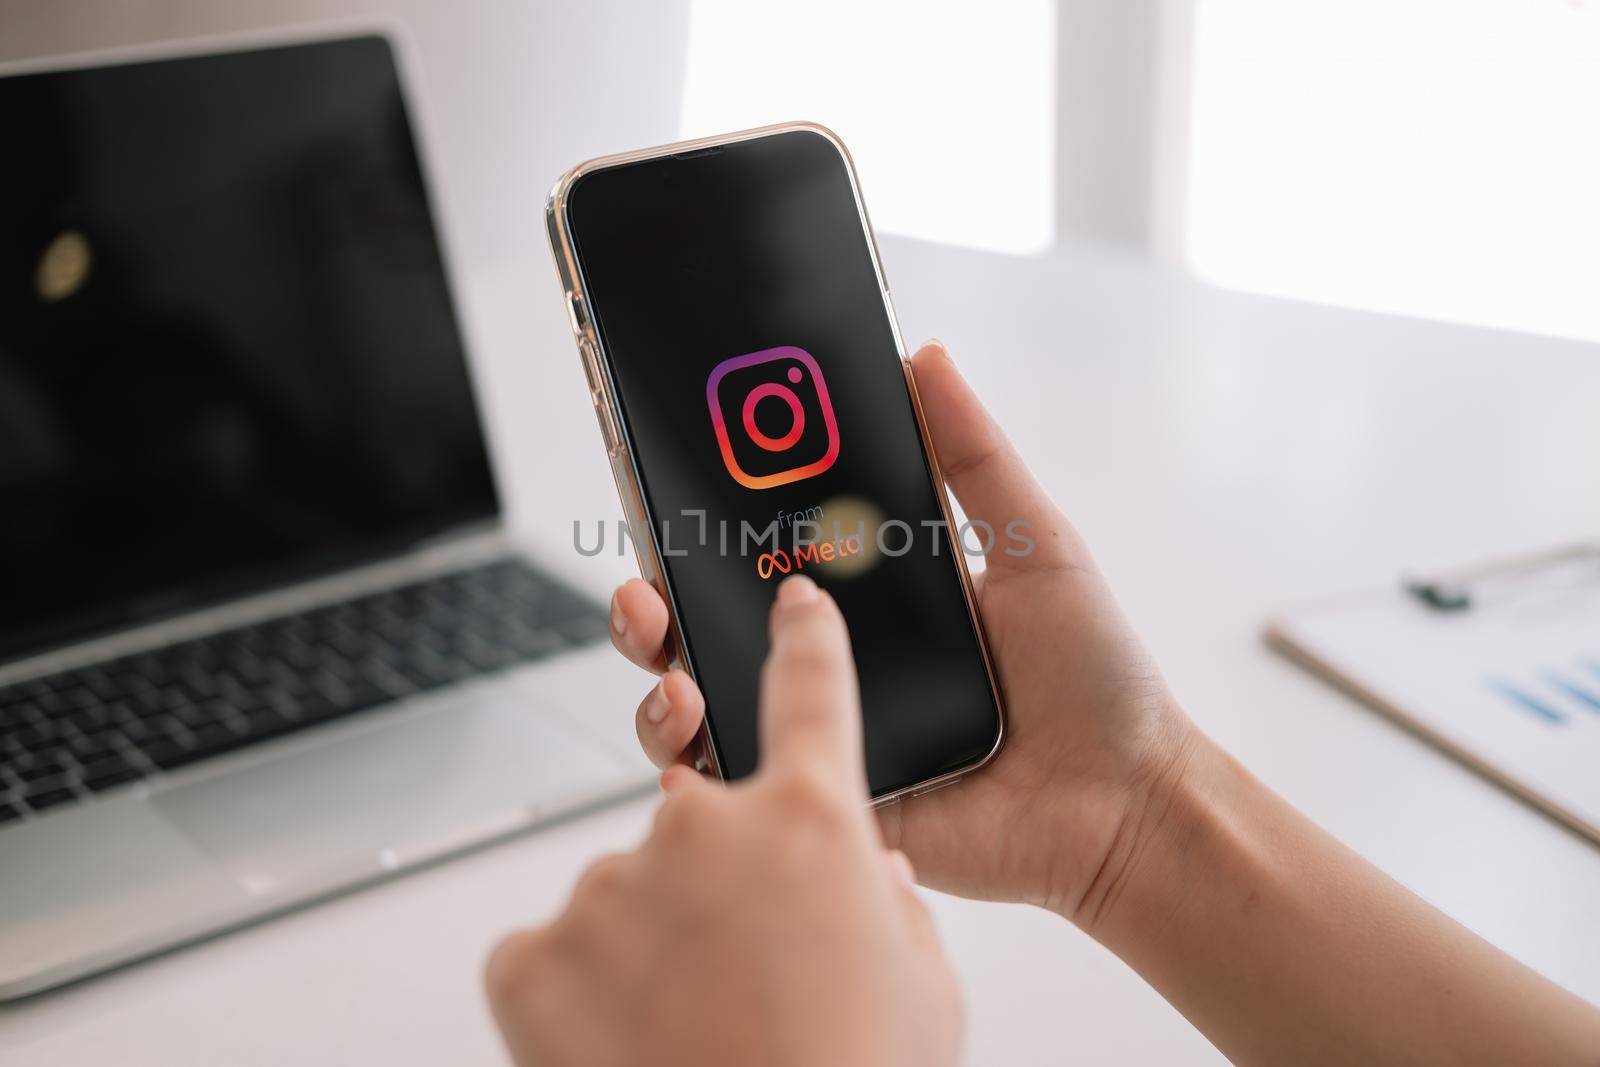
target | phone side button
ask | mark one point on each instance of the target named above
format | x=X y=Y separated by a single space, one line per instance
x=605 y=427
x=608 y=427
x=576 y=313
x=590 y=366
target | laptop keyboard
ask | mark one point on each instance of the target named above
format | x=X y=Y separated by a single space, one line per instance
x=68 y=736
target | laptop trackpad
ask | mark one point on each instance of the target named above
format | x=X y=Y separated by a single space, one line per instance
x=483 y=760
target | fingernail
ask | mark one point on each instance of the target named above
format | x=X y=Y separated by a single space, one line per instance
x=797 y=590
x=940 y=345
x=619 y=621
x=656 y=709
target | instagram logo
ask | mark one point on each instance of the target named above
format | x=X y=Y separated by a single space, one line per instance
x=778 y=399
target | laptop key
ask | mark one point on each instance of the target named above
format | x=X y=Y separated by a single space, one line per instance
x=76 y=696
x=166 y=753
x=9 y=812
x=145 y=702
x=92 y=747
x=128 y=722
x=52 y=766
x=107 y=772
x=37 y=737
x=265 y=722
x=101 y=684
x=111 y=779
x=315 y=707
x=86 y=717
x=112 y=760
x=214 y=737
x=48 y=797
x=362 y=693
x=195 y=716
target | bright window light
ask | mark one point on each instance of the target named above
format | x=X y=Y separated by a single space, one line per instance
x=1438 y=158
x=948 y=108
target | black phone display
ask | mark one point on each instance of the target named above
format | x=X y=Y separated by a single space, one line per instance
x=760 y=390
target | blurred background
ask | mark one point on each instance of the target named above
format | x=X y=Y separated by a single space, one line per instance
x=1429 y=158
x=1268 y=145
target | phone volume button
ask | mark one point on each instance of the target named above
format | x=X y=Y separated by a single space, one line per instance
x=591 y=366
x=609 y=430
x=576 y=313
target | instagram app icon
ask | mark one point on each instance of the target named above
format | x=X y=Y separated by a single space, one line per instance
x=778 y=401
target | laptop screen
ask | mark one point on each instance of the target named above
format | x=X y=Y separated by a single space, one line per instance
x=228 y=355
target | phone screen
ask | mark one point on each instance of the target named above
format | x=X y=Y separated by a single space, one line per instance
x=735 y=298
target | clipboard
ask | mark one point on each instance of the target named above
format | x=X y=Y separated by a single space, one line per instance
x=1497 y=665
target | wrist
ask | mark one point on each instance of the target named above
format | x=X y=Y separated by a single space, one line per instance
x=1171 y=813
x=1210 y=845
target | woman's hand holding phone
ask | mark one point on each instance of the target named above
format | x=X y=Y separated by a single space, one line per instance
x=1109 y=807
x=1095 y=742
x=763 y=923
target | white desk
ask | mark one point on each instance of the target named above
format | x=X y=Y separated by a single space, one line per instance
x=1224 y=454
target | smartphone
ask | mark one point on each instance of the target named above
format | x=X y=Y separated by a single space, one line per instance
x=759 y=411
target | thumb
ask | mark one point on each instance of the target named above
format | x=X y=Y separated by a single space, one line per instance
x=810 y=701
x=987 y=475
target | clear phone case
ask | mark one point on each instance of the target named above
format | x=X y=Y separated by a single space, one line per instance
x=625 y=470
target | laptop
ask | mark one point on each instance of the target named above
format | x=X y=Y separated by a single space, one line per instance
x=263 y=636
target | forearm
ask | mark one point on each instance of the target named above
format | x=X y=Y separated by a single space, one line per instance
x=1283 y=946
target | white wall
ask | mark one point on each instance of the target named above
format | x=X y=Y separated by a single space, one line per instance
x=516 y=91
x=1113 y=113
x=1436 y=158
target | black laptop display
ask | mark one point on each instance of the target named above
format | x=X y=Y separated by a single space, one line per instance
x=228 y=355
